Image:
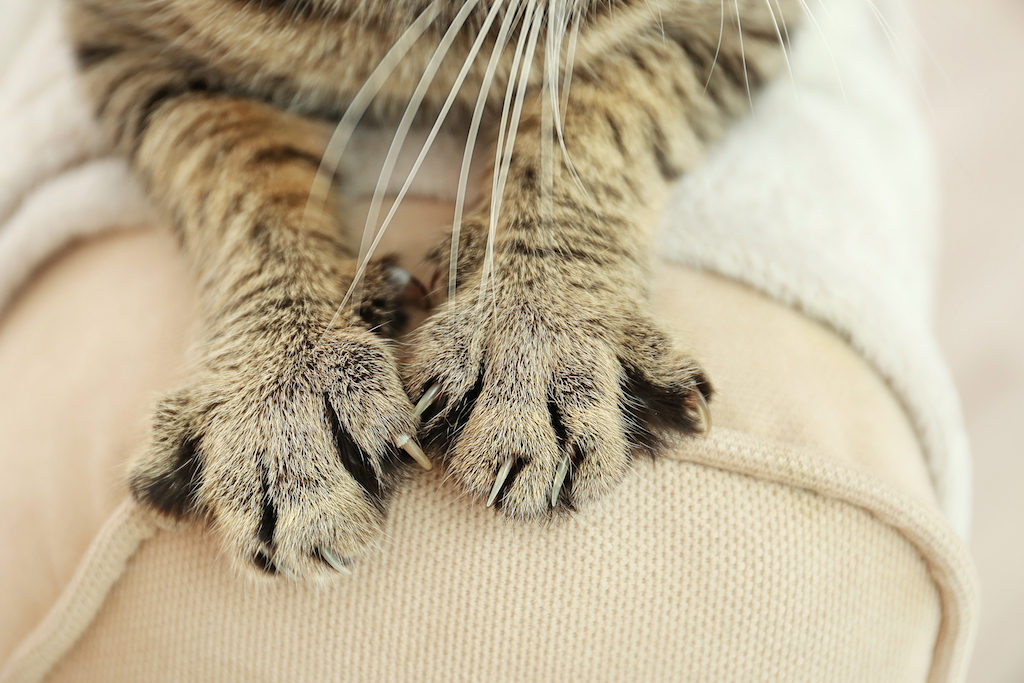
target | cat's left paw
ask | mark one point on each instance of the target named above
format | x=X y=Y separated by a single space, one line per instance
x=539 y=406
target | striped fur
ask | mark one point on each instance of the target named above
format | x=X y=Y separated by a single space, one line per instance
x=546 y=358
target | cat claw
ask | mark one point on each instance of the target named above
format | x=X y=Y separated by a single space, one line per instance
x=407 y=444
x=560 y=474
x=399 y=277
x=332 y=559
x=499 y=482
x=413 y=293
x=168 y=524
x=428 y=397
x=703 y=412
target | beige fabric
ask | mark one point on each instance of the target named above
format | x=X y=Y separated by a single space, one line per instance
x=800 y=542
x=687 y=573
x=83 y=355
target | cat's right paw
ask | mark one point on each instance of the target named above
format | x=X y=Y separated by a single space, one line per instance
x=292 y=460
x=536 y=399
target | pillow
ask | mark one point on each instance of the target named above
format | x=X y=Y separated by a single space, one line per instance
x=800 y=541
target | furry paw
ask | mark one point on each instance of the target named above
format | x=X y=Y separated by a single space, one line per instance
x=537 y=404
x=291 y=450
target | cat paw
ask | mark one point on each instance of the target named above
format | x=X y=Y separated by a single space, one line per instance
x=538 y=407
x=291 y=454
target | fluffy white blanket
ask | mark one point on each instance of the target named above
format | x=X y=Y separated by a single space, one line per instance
x=824 y=198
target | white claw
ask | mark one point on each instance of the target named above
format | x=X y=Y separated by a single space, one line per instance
x=166 y=523
x=704 y=412
x=406 y=443
x=560 y=473
x=399 y=277
x=426 y=400
x=502 y=476
x=333 y=560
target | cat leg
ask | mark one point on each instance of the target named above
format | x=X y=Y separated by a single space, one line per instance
x=546 y=373
x=288 y=435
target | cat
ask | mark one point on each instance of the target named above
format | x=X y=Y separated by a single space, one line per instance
x=544 y=373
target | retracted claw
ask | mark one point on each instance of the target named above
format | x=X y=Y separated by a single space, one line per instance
x=398 y=276
x=413 y=293
x=333 y=560
x=407 y=444
x=560 y=474
x=427 y=398
x=499 y=482
x=700 y=404
x=166 y=523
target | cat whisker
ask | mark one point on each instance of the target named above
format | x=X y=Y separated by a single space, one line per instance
x=718 y=50
x=782 y=41
x=890 y=35
x=835 y=65
x=442 y=116
x=433 y=65
x=557 y=29
x=331 y=159
x=507 y=137
x=570 y=65
x=467 y=158
x=785 y=25
x=743 y=55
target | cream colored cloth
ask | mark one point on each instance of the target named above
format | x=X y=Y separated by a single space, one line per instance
x=802 y=541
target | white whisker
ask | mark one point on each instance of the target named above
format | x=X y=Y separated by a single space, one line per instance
x=548 y=105
x=718 y=50
x=835 y=65
x=743 y=54
x=507 y=136
x=785 y=24
x=467 y=158
x=331 y=159
x=445 y=109
x=659 y=17
x=396 y=146
x=570 y=58
x=904 y=60
x=887 y=29
x=560 y=111
x=782 y=41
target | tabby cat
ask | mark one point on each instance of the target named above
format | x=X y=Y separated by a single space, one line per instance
x=544 y=372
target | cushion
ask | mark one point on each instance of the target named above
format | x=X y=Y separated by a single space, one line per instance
x=801 y=540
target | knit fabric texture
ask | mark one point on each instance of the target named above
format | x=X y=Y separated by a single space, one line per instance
x=691 y=574
x=801 y=541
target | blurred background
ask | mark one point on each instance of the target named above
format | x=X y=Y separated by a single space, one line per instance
x=973 y=82
x=972 y=91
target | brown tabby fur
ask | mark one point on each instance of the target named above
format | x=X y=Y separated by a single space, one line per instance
x=285 y=437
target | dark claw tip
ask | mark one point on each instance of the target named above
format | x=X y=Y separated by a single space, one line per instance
x=264 y=564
